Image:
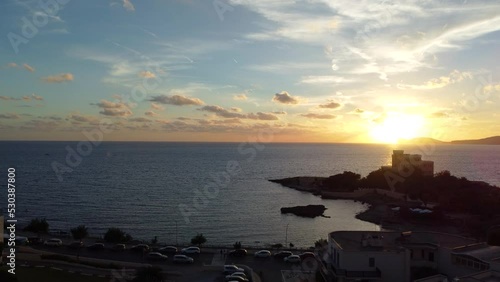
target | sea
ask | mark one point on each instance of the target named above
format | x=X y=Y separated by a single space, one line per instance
x=175 y=190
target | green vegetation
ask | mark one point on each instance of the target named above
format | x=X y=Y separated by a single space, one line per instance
x=199 y=239
x=320 y=243
x=149 y=274
x=37 y=225
x=342 y=182
x=79 y=232
x=237 y=245
x=116 y=235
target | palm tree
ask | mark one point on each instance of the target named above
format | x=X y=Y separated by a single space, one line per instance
x=199 y=240
x=79 y=232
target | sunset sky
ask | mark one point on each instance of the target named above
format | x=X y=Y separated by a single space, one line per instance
x=223 y=70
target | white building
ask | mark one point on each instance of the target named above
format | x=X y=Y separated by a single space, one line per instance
x=395 y=256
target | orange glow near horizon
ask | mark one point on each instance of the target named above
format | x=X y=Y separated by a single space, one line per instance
x=397 y=126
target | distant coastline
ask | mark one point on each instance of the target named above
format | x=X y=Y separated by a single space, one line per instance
x=493 y=140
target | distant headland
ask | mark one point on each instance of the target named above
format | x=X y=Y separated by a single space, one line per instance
x=493 y=140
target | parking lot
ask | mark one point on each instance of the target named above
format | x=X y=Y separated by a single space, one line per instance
x=202 y=270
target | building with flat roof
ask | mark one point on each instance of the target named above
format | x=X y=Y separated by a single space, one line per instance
x=402 y=161
x=397 y=256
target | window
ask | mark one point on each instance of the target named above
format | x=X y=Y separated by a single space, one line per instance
x=371 y=262
x=431 y=256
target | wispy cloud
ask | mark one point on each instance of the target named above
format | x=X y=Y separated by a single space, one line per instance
x=114 y=109
x=240 y=97
x=225 y=113
x=330 y=105
x=59 y=78
x=29 y=68
x=285 y=98
x=127 y=4
x=147 y=74
x=440 y=82
x=177 y=100
x=318 y=116
x=10 y=116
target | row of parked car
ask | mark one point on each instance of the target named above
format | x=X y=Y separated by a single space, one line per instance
x=159 y=254
x=234 y=273
x=287 y=256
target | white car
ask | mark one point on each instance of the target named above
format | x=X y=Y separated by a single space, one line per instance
x=54 y=242
x=183 y=259
x=237 y=274
x=231 y=268
x=262 y=254
x=191 y=250
x=156 y=256
x=293 y=259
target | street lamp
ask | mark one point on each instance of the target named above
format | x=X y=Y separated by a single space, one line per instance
x=176 y=242
x=286 y=234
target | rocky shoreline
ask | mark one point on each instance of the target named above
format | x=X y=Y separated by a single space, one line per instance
x=379 y=206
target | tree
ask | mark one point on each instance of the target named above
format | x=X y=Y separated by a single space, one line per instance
x=320 y=243
x=37 y=225
x=79 y=232
x=199 y=239
x=277 y=246
x=149 y=274
x=116 y=235
x=237 y=245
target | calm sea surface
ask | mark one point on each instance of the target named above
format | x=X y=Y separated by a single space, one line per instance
x=139 y=186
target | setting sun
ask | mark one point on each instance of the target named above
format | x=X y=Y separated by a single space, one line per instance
x=397 y=126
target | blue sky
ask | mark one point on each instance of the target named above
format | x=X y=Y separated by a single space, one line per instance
x=223 y=70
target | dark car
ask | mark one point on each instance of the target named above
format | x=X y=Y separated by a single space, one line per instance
x=96 y=247
x=282 y=254
x=167 y=250
x=305 y=255
x=35 y=240
x=238 y=253
x=140 y=248
x=75 y=245
x=118 y=248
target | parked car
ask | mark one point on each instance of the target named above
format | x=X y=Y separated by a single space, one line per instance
x=262 y=254
x=96 y=247
x=236 y=274
x=35 y=240
x=282 y=254
x=54 y=242
x=183 y=259
x=238 y=253
x=305 y=255
x=76 y=245
x=236 y=279
x=168 y=250
x=191 y=250
x=292 y=259
x=140 y=248
x=156 y=256
x=118 y=248
x=231 y=268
